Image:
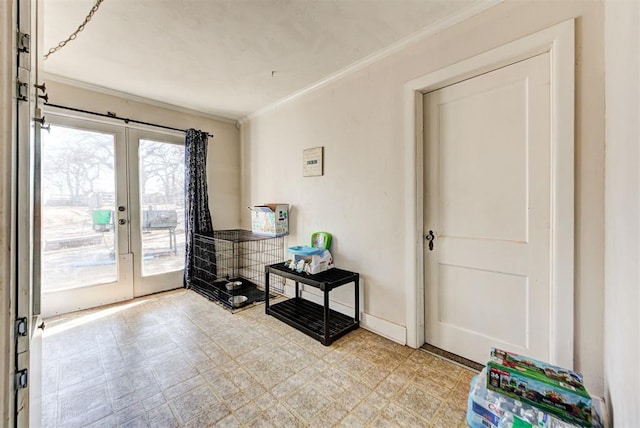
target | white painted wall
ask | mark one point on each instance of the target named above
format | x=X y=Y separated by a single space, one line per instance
x=223 y=163
x=622 y=216
x=359 y=121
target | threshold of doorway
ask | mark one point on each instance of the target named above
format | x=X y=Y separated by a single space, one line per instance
x=457 y=359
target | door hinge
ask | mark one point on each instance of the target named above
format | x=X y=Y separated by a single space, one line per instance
x=24 y=42
x=22 y=327
x=21 y=379
x=22 y=91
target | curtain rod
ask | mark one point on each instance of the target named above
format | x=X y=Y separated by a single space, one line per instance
x=112 y=115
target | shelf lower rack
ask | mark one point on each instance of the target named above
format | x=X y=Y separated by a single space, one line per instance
x=308 y=317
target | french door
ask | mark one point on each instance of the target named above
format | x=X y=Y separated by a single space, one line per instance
x=112 y=214
x=156 y=199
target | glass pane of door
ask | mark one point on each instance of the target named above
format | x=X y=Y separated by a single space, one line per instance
x=78 y=208
x=161 y=177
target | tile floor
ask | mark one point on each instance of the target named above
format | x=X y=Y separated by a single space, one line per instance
x=177 y=360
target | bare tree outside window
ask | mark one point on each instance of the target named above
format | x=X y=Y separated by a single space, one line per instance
x=77 y=164
x=162 y=206
x=78 y=190
x=161 y=173
x=79 y=216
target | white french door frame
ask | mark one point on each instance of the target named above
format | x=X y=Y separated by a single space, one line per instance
x=143 y=285
x=558 y=41
x=77 y=298
x=130 y=269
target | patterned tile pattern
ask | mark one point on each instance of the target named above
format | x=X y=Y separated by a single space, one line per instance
x=178 y=360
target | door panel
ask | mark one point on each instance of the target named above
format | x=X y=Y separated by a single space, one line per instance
x=78 y=191
x=157 y=210
x=112 y=214
x=461 y=298
x=24 y=242
x=487 y=197
x=86 y=259
x=474 y=170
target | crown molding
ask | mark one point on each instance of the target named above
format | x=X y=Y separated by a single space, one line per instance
x=449 y=21
x=124 y=95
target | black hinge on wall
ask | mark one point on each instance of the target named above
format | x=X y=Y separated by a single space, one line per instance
x=21 y=379
x=22 y=327
x=22 y=91
x=24 y=42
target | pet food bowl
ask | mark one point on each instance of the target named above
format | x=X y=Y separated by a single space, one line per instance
x=233 y=285
x=237 y=301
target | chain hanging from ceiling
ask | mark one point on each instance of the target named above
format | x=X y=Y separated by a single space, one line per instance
x=73 y=35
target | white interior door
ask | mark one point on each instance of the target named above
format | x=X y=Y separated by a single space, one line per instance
x=488 y=203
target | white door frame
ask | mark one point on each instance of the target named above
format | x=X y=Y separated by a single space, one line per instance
x=90 y=296
x=8 y=174
x=559 y=42
x=144 y=285
x=130 y=263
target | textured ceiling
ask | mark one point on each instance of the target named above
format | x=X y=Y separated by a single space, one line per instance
x=226 y=57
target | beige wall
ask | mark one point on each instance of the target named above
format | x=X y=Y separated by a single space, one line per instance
x=359 y=121
x=223 y=163
x=622 y=225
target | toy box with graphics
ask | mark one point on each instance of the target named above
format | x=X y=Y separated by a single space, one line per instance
x=553 y=389
x=270 y=219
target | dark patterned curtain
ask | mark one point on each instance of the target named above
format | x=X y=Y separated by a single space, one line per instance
x=197 y=215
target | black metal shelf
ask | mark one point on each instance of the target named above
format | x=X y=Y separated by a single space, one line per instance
x=308 y=317
x=317 y=321
x=329 y=279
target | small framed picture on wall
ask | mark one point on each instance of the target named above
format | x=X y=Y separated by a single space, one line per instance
x=312 y=162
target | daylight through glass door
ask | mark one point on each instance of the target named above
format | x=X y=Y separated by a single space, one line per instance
x=78 y=204
x=161 y=170
x=112 y=213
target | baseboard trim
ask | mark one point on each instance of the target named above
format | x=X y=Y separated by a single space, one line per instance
x=384 y=328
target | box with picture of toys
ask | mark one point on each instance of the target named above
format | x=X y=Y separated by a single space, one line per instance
x=553 y=389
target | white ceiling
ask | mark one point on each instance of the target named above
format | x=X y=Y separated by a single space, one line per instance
x=227 y=58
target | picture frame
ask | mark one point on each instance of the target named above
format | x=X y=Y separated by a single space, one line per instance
x=313 y=162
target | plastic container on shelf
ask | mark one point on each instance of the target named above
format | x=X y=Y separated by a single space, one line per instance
x=306 y=251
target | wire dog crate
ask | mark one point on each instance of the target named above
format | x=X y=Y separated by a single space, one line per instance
x=229 y=266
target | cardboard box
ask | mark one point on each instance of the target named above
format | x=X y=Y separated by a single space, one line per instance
x=550 y=388
x=270 y=219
